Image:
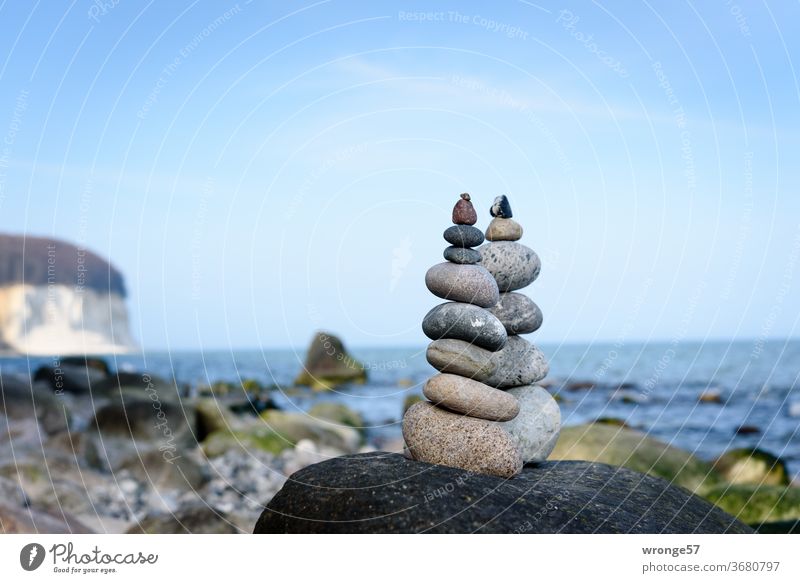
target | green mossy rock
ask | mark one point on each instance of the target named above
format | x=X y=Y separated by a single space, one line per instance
x=297 y=426
x=619 y=446
x=261 y=438
x=752 y=466
x=337 y=413
x=757 y=505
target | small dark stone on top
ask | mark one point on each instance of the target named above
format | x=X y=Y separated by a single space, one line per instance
x=501 y=207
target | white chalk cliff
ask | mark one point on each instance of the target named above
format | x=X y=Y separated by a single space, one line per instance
x=56 y=298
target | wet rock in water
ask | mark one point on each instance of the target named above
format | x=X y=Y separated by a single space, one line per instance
x=337 y=413
x=579 y=385
x=469 y=397
x=747 y=430
x=275 y=431
x=471 y=284
x=34 y=521
x=70 y=378
x=197 y=519
x=463 y=236
x=535 y=430
x=387 y=493
x=136 y=383
x=437 y=436
x=503 y=230
x=329 y=365
x=517 y=364
x=465 y=322
x=518 y=313
x=259 y=438
x=636 y=451
x=297 y=426
x=463 y=212
x=150 y=419
x=213 y=415
x=92 y=362
x=711 y=396
x=512 y=264
x=462 y=256
x=752 y=466
x=757 y=504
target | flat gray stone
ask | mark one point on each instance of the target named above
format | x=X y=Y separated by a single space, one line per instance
x=518 y=313
x=519 y=363
x=536 y=428
x=471 y=284
x=463 y=236
x=512 y=264
x=437 y=436
x=462 y=255
x=468 y=397
x=465 y=322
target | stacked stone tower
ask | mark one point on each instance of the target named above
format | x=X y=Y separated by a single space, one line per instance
x=484 y=414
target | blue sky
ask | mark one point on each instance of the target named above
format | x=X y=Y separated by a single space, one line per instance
x=261 y=170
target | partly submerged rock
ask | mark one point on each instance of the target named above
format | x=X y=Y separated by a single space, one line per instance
x=752 y=466
x=635 y=450
x=757 y=504
x=387 y=493
x=328 y=364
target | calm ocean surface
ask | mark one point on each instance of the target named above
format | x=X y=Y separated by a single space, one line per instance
x=653 y=387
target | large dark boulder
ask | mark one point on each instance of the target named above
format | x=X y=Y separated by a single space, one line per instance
x=387 y=493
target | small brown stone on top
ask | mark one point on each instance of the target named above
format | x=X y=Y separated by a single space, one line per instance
x=464 y=213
